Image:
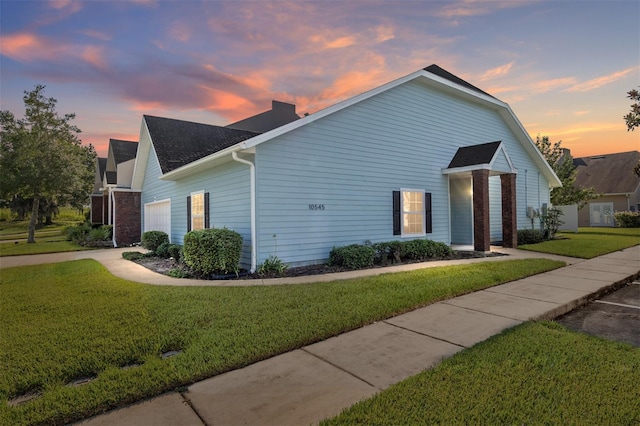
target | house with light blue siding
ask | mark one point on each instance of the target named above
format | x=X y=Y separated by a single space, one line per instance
x=425 y=156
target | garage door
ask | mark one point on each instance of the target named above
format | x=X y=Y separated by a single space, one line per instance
x=157 y=216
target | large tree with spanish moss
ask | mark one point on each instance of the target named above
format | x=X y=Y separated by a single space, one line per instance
x=41 y=156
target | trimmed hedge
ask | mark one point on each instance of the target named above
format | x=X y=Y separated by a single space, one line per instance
x=627 y=219
x=354 y=256
x=212 y=251
x=151 y=240
x=357 y=256
x=530 y=236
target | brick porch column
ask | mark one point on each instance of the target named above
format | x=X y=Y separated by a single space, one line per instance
x=127 y=224
x=509 y=212
x=481 y=226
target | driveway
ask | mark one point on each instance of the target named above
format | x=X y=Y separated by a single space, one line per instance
x=615 y=316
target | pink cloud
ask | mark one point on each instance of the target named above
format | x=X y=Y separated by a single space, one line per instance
x=94 y=56
x=598 y=82
x=500 y=71
x=27 y=47
x=96 y=34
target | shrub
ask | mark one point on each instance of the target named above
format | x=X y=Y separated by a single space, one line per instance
x=175 y=251
x=212 y=251
x=424 y=249
x=132 y=255
x=273 y=266
x=627 y=219
x=388 y=252
x=79 y=233
x=151 y=240
x=178 y=273
x=552 y=222
x=354 y=256
x=102 y=233
x=529 y=236
x=163 y=250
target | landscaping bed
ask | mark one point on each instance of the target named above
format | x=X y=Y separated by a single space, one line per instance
x=165 y=266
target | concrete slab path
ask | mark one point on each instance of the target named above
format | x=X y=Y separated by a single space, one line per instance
x=320 y=380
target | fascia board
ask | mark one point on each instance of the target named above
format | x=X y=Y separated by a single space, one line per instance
x=466 y=169
x=530 y=146
x=142 y=156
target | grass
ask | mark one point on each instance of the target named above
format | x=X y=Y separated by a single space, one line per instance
x=49 y=238
x=588 y=242
x=74 y=319
x=536 y=373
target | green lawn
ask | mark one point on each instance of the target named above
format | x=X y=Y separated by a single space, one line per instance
x=74 y=319
x=588 y=242
x=536 y=373
x=49 y=239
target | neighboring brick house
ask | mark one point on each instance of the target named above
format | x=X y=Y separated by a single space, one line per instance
x=612 y=176
x=113 y=202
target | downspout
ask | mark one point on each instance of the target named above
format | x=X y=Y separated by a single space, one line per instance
x=252 y=178
x=112 y=200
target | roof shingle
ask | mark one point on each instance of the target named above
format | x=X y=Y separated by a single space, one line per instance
x=474 y=155
x=609 y=173
x=179 y=142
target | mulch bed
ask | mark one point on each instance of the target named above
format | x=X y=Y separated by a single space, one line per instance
x=163 y=266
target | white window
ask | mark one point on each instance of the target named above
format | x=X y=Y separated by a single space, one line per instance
x=197 y=211
x=413 y=212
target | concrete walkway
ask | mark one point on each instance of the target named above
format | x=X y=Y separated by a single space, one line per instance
x=320 y=380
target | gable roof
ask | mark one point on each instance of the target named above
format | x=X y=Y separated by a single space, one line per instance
x=436 y=70
x=178 y=143
x=435 y=77
x=102 y=166
x=123 y=150
x=474 y=155
x=609 y=173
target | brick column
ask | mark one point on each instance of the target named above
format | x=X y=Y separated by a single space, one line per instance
x=96 y=209
x=481 y=225
x=509 y=212
x=127 y=224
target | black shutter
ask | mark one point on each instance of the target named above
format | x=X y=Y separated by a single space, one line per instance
x=206 y=210
x=427 y=211
x=396 y=213
x=188 y=214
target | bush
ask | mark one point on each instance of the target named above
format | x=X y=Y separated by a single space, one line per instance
x=102 y=233
x=273 y=266
x=175 y=251
x=163 y=250
x=388 y=252
x=529 y=236
x=151 y=240
x=212 y=251
x=132 y=255
x=424 y=249
x=178 y=273
x=627 y=219
x=79 y=233
x=354 y=256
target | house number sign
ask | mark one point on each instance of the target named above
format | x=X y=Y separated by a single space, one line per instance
x=316 y=206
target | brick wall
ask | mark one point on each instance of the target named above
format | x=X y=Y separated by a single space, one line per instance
x=481 y=227
x=509 y=212
x=96 y=209
x=127 y=226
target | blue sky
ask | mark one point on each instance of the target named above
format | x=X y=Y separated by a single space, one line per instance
x=564 y=67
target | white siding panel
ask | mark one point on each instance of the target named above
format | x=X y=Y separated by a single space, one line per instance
x=351 y=161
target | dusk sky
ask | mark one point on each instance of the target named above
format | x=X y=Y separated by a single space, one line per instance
x=564 y=67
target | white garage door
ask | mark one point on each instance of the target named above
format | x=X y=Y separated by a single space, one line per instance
x=157 y=216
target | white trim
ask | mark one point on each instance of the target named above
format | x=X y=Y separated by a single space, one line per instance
x=464 y=169
x=502 y=149
x=252 y=178
x=422 y=213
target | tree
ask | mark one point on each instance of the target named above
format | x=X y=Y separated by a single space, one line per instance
x=633 y=118
x=41 y=157
x=561 y=162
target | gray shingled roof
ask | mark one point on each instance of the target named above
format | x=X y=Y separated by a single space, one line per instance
x=474 y=155
x=179 y=142
x=440 y=72
x=609 y=173
x=102 y=166
x=123 y=150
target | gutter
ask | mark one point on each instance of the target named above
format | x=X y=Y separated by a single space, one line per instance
x=254 y=243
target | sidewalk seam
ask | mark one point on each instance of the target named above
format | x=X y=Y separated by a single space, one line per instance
x=304 y=349
x=424 y=334
x=188 y=402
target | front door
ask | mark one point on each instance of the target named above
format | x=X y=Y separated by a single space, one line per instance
x=601 y=214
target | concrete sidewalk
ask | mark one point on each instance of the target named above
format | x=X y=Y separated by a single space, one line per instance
x=320 y=380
